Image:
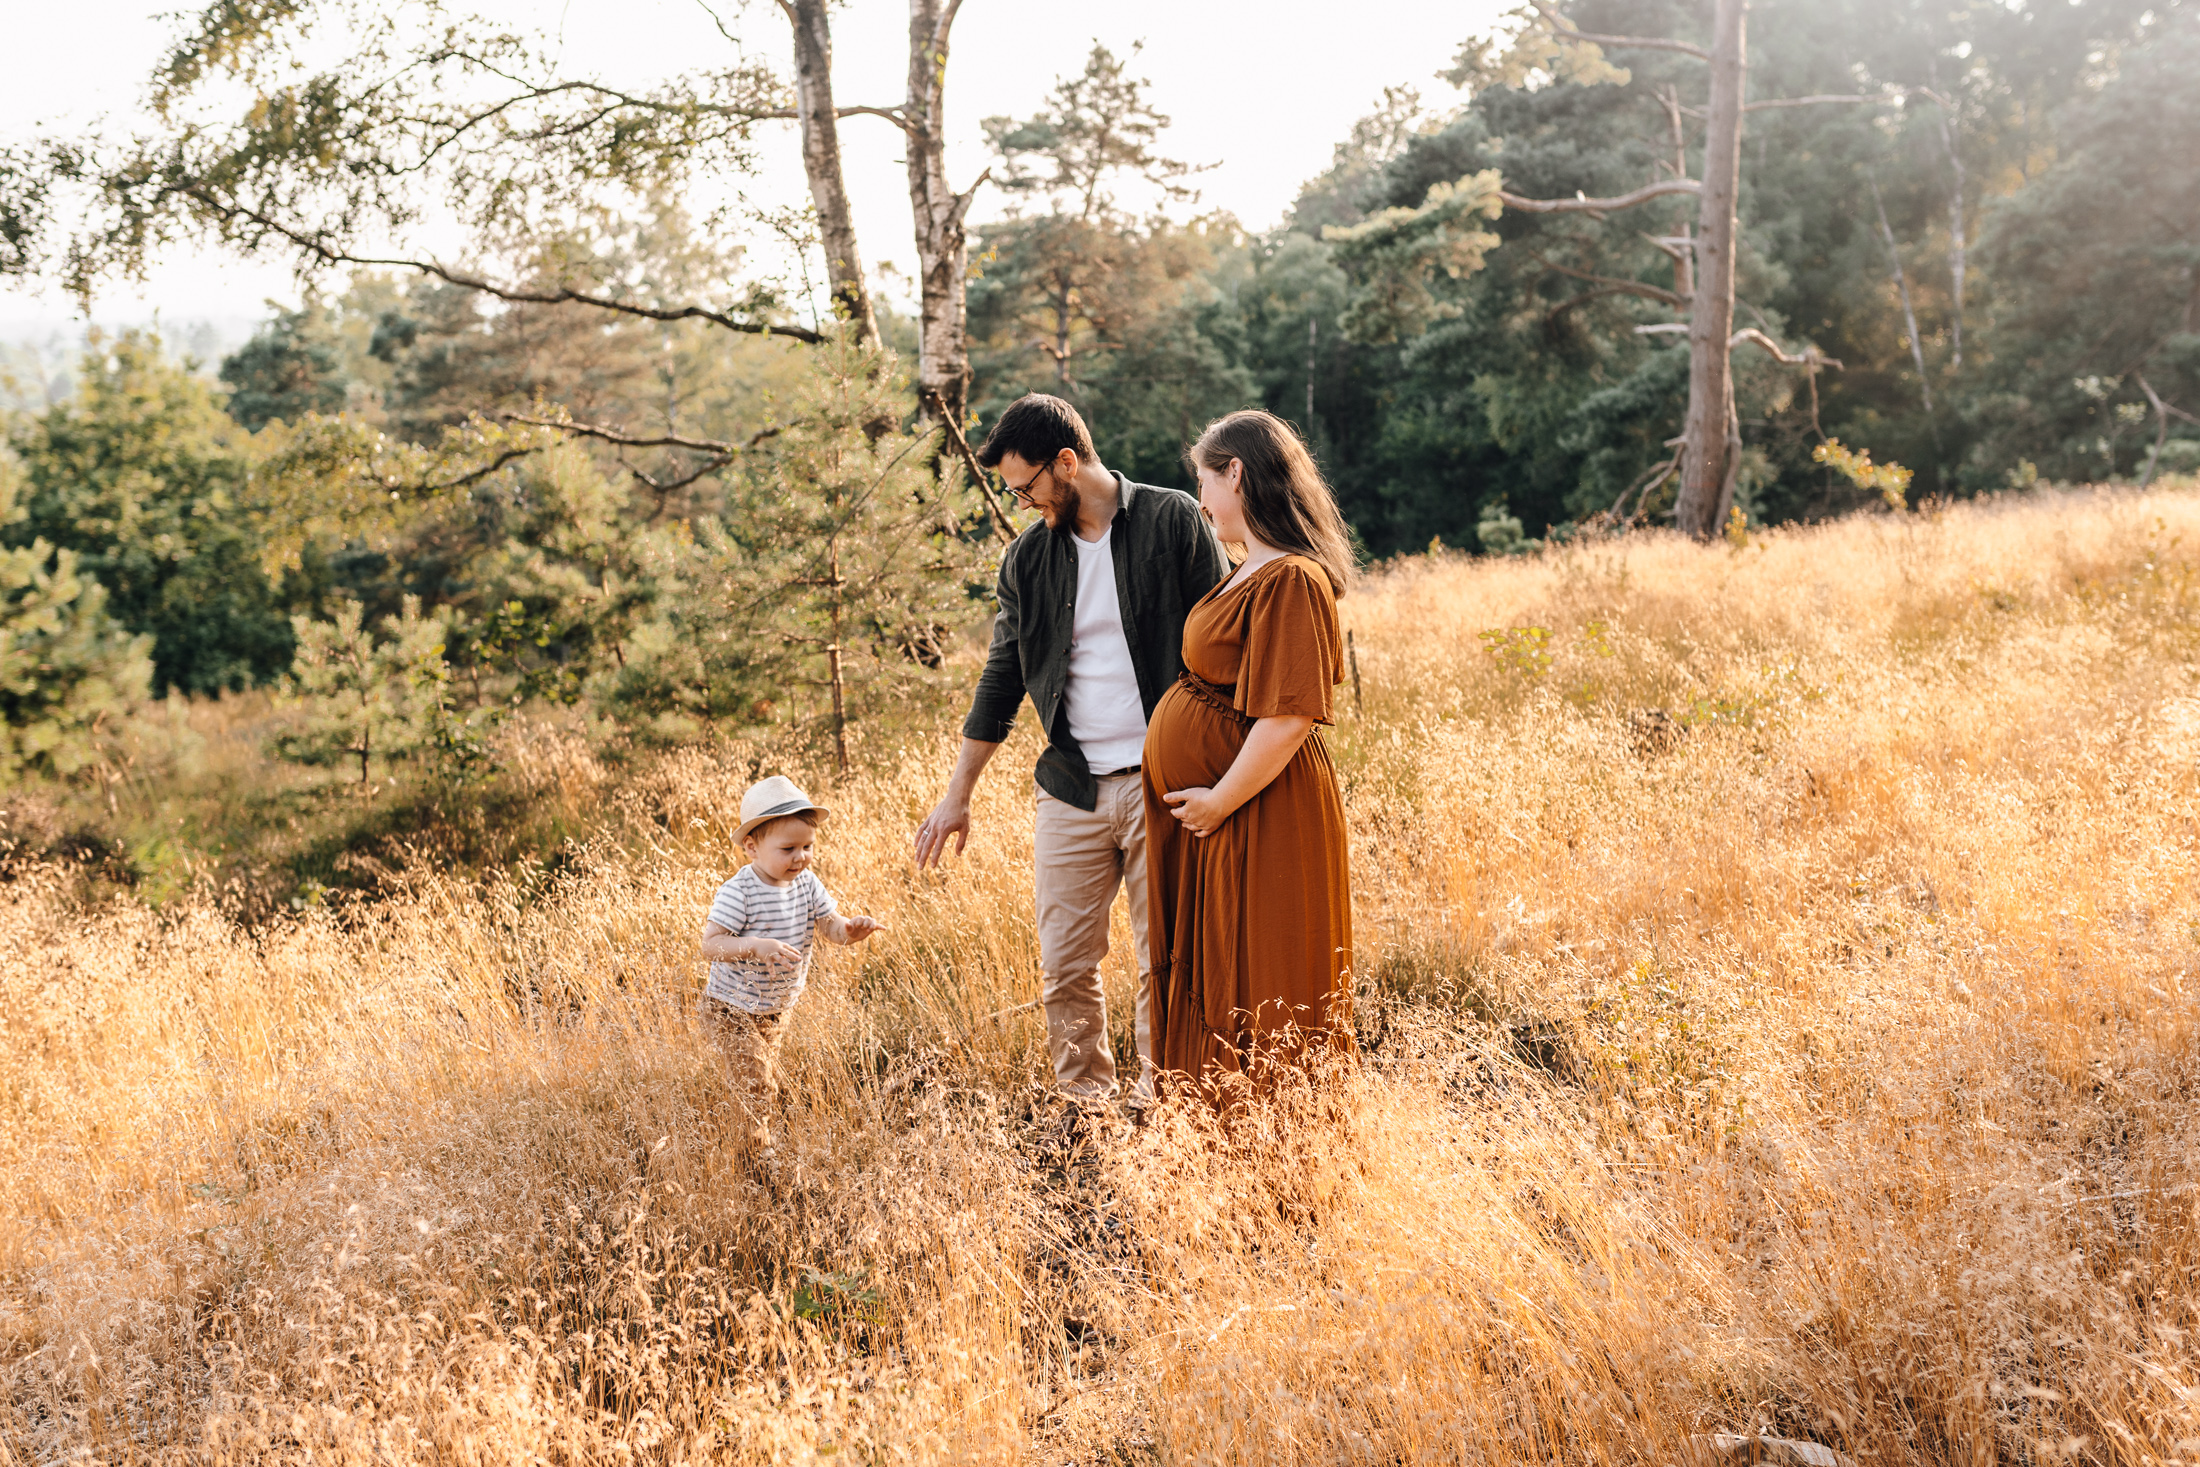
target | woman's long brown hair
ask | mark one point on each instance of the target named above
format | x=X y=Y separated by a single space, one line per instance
x=1287 y=502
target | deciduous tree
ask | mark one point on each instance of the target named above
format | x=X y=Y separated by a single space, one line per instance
x=325 y=163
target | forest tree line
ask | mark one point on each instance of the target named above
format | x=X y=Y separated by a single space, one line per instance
x=425 y=499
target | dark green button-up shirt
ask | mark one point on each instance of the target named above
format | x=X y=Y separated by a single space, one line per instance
x=1165 y=557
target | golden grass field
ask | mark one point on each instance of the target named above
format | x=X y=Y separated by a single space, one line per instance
x=1776 y=996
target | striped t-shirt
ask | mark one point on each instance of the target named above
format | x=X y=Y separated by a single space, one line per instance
x=750 y=906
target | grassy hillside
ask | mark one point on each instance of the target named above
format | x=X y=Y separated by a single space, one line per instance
x=1777 y=1012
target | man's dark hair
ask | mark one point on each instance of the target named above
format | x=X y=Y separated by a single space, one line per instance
x=1035 y=428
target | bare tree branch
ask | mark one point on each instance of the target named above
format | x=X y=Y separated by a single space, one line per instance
x=718 y=452
x=2162 y=413
x=961 y=445
x=894 y=115
x=330 y=254
x=476 y=476
x=662 y=487
x=1809 y=356
x=1640 y=43
x=1649 y=483
x=1888 y=100
x=1581 y=204
x=2167 y=409
x=1612 y=286
x=628 y=440
x=1902 y=290
x=538 y=91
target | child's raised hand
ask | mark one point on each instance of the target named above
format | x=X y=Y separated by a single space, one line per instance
x=777 y=954
x=862 y=927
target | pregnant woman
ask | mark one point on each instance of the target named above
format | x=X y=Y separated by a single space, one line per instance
x=1251 y=916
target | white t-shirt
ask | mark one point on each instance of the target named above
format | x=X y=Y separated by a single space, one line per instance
x=750 y=906
x=1106 y=715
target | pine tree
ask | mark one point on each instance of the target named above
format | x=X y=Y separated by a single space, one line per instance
x=145 y=478
x=369 y=699
x=829 y=583
x=68 y=672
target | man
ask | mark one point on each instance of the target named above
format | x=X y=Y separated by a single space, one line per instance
x=1091 y=626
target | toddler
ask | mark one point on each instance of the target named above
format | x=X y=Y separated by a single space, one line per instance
x=758 y=940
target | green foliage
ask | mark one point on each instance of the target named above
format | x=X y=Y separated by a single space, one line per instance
x=1500 y=533
x=1480 y=373
x=147 y=481
x=1647 y=1034
x=292 y=143
x=1522 y=651
x=378 y=701
x=1398 y=253
x=399 y=491
x=1535 y=53
x=24 y=186
x=830 y=541
x=2095 y=280
x=1342 y=194
x=289 y=368
x=838 y=542
x=327 y=482
x=1890 y=481
x=835 y=1297
x=1097 y=130
x=578 y=593
x=68 y=673
x=1088 y=299
x=1137 y=325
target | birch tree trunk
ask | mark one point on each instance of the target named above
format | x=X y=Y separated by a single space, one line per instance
x=813 y=91
x=1708 y=456
x=1958 y=248
x=1902 y=289
x=943 y=348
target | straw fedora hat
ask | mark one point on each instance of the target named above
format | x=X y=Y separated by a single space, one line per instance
x=769 y=799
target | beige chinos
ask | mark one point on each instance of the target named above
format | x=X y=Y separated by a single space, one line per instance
x=1081 y=857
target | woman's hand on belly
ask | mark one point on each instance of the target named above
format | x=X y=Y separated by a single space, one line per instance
x=1198 y=809
x=1269 y=746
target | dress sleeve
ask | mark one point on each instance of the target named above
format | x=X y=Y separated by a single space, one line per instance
x=1293 y=650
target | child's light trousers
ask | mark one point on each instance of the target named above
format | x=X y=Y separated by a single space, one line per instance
x=749 y=1046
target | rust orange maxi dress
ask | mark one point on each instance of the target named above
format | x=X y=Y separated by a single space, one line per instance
x=1250 y=927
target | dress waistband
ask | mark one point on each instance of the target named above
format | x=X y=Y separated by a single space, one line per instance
x=1217 y=698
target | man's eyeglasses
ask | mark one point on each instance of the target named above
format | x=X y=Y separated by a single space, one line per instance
x=1022 y=492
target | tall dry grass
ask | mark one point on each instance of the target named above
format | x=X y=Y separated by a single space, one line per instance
x=1776 y=1004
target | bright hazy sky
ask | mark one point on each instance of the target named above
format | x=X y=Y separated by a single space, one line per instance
x=1262 y=88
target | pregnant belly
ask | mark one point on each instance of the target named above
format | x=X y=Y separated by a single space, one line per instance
x=1189 y=743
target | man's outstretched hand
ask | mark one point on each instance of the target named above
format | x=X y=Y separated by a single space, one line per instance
x=950 y=817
